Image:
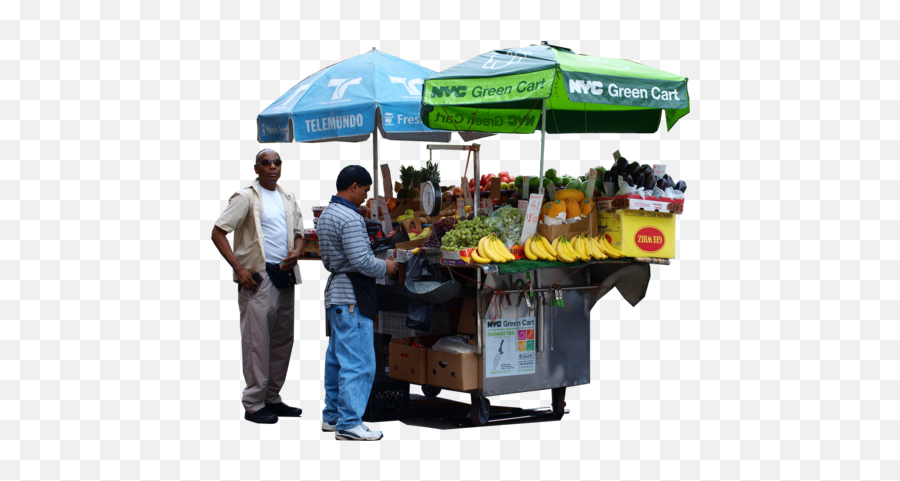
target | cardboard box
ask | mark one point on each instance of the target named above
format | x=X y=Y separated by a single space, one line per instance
x=647 y=234
x=467 y=317
x=636 y=202
x=588 y=225
x=407 y=363
x=458 y=372
x=610 y=227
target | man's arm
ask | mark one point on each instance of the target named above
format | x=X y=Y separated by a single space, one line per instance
x=359 y=253
x=293 y=256
x=232 y=218
x=245 y=278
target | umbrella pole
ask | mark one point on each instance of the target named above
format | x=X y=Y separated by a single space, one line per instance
x=374 y=213
x=543 y=135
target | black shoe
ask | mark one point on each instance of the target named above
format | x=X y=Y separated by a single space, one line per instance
x=263 y=416
x=283 y=410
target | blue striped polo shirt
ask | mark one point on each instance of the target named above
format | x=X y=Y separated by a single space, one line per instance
x=345 y=248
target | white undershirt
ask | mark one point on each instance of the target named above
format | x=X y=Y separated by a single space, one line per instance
x=274 y=226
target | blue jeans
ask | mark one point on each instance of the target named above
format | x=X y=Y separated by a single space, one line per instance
x=349 y=367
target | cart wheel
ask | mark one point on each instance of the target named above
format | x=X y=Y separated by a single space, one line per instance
x=559 y=402
x=480 y=416
x=430 y=391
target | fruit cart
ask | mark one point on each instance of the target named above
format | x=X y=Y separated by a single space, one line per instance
x=528 y=323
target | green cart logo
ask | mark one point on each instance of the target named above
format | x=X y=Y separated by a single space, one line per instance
x=458 y=91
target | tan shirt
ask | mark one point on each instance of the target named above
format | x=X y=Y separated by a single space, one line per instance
x=242 y=216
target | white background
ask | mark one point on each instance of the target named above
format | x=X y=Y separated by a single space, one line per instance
x=769 y=349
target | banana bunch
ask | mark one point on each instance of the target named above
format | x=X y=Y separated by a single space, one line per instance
x=605 y=247
x=490 y=249
x=538 y=247
x=566 y=251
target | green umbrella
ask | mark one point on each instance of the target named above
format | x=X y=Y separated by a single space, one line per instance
x=555 y=90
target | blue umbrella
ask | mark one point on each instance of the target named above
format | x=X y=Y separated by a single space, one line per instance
x=348 y=100
x=345 y=102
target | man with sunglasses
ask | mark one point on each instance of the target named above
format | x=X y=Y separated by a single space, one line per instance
x=268 y=240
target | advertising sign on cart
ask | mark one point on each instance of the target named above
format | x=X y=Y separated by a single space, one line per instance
x=509 y=349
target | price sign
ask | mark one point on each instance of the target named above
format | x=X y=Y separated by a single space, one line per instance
x=386 y=177
x=386 y=223
x=523 y=206
x=532 y=215
x=460 y=208
x=659 y=170
x=551 y=190
x=487 y=207
x=592 y=180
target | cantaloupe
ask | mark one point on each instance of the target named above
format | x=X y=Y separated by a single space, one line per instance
x=567 y=194
x=573 y=209
x=556 y=207
x=587 y=206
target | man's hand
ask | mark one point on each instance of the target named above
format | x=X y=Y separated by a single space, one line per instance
x=392 y=267
x=245 y=279
x=290 y=261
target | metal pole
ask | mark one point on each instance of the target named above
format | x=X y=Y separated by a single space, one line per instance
x=374 y=213
x=477 y=193
x=543 y=135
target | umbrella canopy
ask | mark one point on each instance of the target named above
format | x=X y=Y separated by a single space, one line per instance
x=345 y=102
x=502 y=91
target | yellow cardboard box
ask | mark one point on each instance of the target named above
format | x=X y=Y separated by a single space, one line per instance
x=647 y=233
x=611 y=227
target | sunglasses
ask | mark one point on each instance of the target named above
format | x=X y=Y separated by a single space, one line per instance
x=266 y=162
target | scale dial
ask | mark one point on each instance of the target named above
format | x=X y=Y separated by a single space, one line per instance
x=430 y=199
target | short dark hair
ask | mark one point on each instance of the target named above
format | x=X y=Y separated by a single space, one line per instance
x=353 y=174
x=263 y=150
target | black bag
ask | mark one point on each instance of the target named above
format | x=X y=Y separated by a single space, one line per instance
x=421 y=304
x=280 y=279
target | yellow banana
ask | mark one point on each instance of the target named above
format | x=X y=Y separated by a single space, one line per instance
x=528 y=253
x=477 y=258
x=563 y=252
x=615 y=249
x=547 y=247
x=602 y=246
x=555 y=245
x=584 y=249
x=596 y=250
x=610 y=249
x=574 y=251
x=538 y=249
x=501 y=249
x=484 y=246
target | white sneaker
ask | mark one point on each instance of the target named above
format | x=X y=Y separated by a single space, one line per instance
x=328 y=428
x=358 y=433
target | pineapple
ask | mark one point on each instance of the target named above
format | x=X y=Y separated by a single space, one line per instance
x=431 y=173
x=406 y=177
x=415 y=182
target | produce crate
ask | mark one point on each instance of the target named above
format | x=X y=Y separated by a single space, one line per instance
x=388 y=400
x=394 y=323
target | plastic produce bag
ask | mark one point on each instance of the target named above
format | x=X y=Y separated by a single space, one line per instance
x=453 y=345
x=425 y=287
x=507 y=223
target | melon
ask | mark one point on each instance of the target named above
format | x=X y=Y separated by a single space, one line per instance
x=572 y=194
x=587 y=206
x=556 y=207
x=573 y=209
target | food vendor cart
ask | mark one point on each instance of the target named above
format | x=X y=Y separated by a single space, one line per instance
x=524 y=325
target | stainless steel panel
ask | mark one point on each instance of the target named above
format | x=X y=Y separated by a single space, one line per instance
x=565 y=359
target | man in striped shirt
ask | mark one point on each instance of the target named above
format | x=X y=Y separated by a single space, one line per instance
x=350 y=359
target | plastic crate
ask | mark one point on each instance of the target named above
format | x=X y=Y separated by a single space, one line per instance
x=394 y=323
x=388 y=400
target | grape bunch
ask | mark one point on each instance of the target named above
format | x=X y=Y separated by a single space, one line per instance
x=466 y=234
x=438 y=230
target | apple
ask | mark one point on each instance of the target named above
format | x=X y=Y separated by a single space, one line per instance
x=504 y=174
